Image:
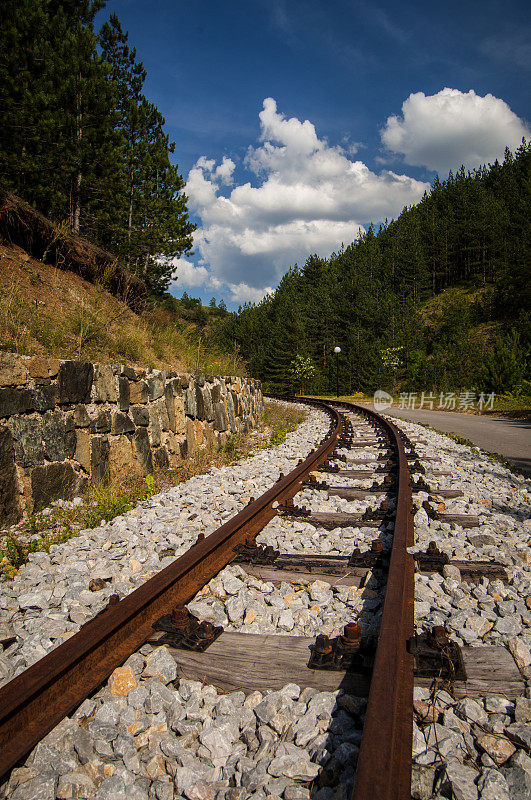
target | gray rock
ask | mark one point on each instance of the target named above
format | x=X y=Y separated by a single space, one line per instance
x=322 y=704
x=7 y=634
x=254 y=779
x=266 y=710
x=220 y=417
x=232 y=585
x=105 y=733
x=195 y=772
x=518 y=781
x=482 y=539
x=471 y=711
x=53 y=435
x=235 y=608
x=159 y=664
x=218 y=742
x=188 y=689
x=16 y=401
x=505 y=608
x=48 y=759
x=190 y=408
x=422 y=780
x=138 y=696
x=421 y=518
x=299 y=768
x=122 y=423
x=142 y=447
x=451 y=571
x=509 y=626
x=462 y=781
x=493 y=786
x=140 y=415
x=522 y=709
x=27 y=436
x=136 y=662
x=112 y=788
x=53 y=482
x=124 y=745
x=10 y=509
x=107 y=714
x=83 y=746
x=76 y=784
x=306 y=729
x=33 y=600
x=521 y=759
x=42 y=787
x=204 y=407
x=285 y=620
x=496 y=704
x=296 y=793
x=75 y=382
x=520 y=732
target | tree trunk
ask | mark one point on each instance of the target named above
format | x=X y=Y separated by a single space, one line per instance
x=77 y=185
x=77 y=208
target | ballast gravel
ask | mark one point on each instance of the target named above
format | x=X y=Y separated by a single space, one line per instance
x=149 y=734
x=244 y=603
x=474 y=749
x=50 y=597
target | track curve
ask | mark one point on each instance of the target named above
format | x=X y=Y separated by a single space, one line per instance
x=39 y=698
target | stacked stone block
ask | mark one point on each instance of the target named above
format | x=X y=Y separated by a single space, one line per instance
x=65 y=423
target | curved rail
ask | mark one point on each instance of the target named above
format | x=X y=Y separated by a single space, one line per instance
x=384 y=763
x=36 y=700
x=41 y=696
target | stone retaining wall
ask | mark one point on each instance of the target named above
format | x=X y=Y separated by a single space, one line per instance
x=63 y=423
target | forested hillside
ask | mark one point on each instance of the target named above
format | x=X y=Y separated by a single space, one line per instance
x=437 y=299
x=80 y=141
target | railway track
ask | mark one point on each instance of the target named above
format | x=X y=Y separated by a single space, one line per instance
x=379 y=665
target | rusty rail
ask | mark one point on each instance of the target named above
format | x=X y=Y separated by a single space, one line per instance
x=35 y=701
x=384 y=763
x=40 y=697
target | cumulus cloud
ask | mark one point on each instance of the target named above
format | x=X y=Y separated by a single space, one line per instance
x=303 y=196
x=188 y=274
x=450 y=128
x=242 y=293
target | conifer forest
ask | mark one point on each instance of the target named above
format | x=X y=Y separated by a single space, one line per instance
x=80 y=141
x=437 y=299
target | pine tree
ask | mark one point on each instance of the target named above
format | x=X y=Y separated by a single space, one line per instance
x=154 y=217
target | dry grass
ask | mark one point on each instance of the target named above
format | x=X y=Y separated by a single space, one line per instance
x=48 y=311
x=21 y=225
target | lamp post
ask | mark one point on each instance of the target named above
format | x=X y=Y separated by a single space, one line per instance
x=337 y=351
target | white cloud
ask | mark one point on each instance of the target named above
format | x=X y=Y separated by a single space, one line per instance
x=450 y=128
x=241 y=293
x=303 y=195
x=188 y=274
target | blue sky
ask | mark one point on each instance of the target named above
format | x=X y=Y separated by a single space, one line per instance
x=298 y=123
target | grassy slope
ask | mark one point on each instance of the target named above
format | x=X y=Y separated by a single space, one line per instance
x=44 y=310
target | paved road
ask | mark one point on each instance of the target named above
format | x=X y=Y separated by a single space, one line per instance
x=510 y=438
